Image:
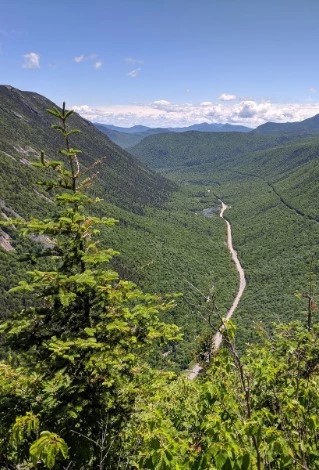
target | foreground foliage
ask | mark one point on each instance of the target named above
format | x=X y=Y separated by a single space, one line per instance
x=257 y=412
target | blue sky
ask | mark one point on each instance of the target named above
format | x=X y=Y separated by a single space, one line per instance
x=166 y=62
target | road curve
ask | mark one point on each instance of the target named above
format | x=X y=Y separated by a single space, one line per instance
x=218 y=337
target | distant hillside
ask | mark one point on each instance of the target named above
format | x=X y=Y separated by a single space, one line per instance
x=127 y=130
x=308 y=126
x=128 y=136
x=206 y=127
x=123 y=139
x=195 y=148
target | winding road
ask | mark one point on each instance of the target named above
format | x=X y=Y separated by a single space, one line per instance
x=218 y=337
x=242 y=280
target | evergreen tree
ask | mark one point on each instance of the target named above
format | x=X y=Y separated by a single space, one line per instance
x=75 y=361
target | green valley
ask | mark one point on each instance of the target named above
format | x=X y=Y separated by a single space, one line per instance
x=271 y=183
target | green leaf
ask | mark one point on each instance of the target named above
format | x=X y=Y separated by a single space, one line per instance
x=23 y=427
x=48 y=448
x=55 y=112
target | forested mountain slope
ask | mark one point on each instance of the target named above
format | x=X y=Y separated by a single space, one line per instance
x=282 y=159
x=26 y=128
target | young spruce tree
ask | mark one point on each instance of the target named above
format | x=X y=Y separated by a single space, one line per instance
x=75 y=361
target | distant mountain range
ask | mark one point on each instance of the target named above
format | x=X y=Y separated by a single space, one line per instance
x=203 y=127
x=129 y=136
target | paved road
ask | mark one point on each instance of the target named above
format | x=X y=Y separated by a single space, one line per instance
x=217 y=339
x=242 y=280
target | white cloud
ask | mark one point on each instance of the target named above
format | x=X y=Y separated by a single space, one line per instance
x=132 y=61
x=227 y=97
x=79 y=58
x=134 y=73
x=31 y=61
x=313 y=90
x=98 y=64
x=250 y=109
x=163 y=113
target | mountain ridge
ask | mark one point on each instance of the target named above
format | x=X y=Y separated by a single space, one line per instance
x=129 y=137
x=307 y=126
x=126 y=137
x=201 y=127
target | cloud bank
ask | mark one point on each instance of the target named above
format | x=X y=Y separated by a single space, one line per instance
x=163 y=113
